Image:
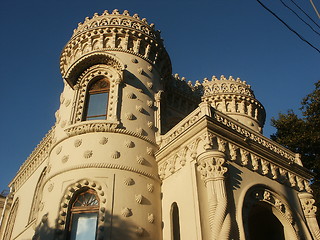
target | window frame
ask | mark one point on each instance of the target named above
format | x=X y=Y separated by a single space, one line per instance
x=91 y=92
x=73 y=210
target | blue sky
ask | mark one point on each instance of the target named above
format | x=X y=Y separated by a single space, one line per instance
x=203 y=38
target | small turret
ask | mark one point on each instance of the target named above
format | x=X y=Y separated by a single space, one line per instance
x=236 y=99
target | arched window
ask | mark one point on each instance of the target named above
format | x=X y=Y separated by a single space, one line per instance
x=37 y=197
x=83 y=216
x=97 y=100
x=175 y=222
x=11 y=220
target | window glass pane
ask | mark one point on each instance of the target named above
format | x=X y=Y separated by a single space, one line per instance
x=84 y=226
x=97 y=105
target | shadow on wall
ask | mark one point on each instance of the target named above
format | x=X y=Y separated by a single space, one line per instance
x=112 y=228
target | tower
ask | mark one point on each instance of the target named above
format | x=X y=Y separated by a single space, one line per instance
x=112 y=65
x=100 y=168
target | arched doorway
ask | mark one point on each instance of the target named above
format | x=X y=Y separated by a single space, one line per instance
x=267 y=216
x=263 y=224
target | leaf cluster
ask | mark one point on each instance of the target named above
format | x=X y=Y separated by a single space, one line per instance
x=302 y=135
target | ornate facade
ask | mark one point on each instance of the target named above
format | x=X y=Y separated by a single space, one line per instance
x=137 y=153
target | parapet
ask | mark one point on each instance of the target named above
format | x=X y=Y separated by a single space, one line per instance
x=236 y=99
x=112 y=32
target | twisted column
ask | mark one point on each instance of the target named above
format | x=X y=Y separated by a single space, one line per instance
x=309 y=211
x=212 y=170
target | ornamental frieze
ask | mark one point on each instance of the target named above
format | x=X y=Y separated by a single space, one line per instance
x=243 y=157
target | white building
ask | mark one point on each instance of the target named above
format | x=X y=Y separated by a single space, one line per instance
x=139 y=154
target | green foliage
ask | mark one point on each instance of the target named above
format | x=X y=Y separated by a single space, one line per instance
x=302 y=135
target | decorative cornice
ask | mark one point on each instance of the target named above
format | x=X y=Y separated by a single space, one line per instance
x=91 y=126
x=257 y=161
x=251 y=135
x=114 y=32
x=102 y=126
x=117 y=19
x=234 y=126
x=105 y=166
x=226 y=86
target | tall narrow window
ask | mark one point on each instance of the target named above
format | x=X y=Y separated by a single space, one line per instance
x=97 y=100
x=83 y=216
x=37 y=197
x=175 y=222
x=11 y=220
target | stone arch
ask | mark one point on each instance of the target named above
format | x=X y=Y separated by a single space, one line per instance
x=274 y=209
x=79 y=66
x=70 y=192
x=37 y=196
x=87 y=77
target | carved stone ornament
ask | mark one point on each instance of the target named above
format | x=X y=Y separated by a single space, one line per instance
x=65 y=159
x=88 y=154
x=139 y=108
x=115 y=154
x=140 y=159
x=150 y=151
x=138 y=198
x=308 y=207
x=150 y=124
x=150 y=85
x=77 y=142
x=129 y=144
x=103 y=140
x=211 y=165
x=233 y=151
x=139 y=130
x=254 y=162
x=244 y=157
x=58 y=150
x=151 y=217
x=128 y=181
x=87 y=127
x=221 y=144
x=131 y=95
x=150 y=103
x=50 y=187
x=130 y=116
x=126 y=212
x=139 y=231
x=150 y=187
